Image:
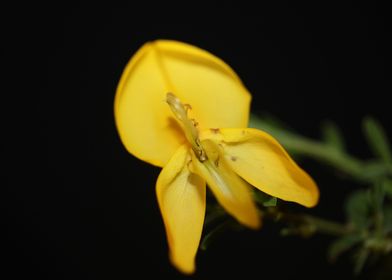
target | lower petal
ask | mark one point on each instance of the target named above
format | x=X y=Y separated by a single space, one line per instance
x=262 y=161
x=182 y=201
x=230 y=190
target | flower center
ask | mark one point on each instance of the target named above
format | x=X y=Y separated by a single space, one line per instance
x=188 y=125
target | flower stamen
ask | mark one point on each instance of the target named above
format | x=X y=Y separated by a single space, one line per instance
x=180 y=111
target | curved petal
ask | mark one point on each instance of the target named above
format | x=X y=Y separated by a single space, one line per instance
x=144 y=121
x=230 y=190
x=182 y=201
x=261 y=160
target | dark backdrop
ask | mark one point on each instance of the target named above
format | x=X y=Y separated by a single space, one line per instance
x=78 y=205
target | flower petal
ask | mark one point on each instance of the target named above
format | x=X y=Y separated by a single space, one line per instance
x=182 y=201
x=146 y=124
x=259 y=159
x=230 y=190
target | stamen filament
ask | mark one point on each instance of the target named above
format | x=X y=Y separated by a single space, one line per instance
x=188 y=125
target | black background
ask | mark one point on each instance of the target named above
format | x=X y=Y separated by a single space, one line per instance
x=77 y=205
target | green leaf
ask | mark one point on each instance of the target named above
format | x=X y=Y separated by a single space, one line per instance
x=264 y=199
x=271 y=202
x=387 y=219
x=377 y=139
x=374 y=170
x=332 y=135
x=387 y=186
x=360 y=260
x=377 y=196
x=342 y=245
x=358 y=209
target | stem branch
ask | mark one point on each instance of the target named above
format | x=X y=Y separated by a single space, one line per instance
x=357 y=169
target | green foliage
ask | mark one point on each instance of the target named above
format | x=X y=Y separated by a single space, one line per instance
x=358 y=209
x=366 y=235
x=387 y=186
x=360 y=258
x=332 y=135
x=343 y=244
x=377 y=139
x=371 y=220
x=387 y=219
x=264 y=199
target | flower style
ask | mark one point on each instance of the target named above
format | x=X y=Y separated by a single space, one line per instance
x=201 y=141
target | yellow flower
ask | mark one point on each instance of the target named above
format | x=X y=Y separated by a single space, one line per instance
x=183 y=109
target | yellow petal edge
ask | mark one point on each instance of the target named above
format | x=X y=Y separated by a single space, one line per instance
x=233 y=193
x=260 y=160
x=182 y=201
x=145 y=123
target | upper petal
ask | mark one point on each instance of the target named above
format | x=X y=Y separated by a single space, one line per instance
x=230 y=190
x=262 y=161
x=182 y=201
x=145 y=122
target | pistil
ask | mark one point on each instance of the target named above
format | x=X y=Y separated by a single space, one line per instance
x=188 y=125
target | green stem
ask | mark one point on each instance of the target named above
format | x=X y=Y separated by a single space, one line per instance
x=326 y=226
x=323 y=152
x=307 y=223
